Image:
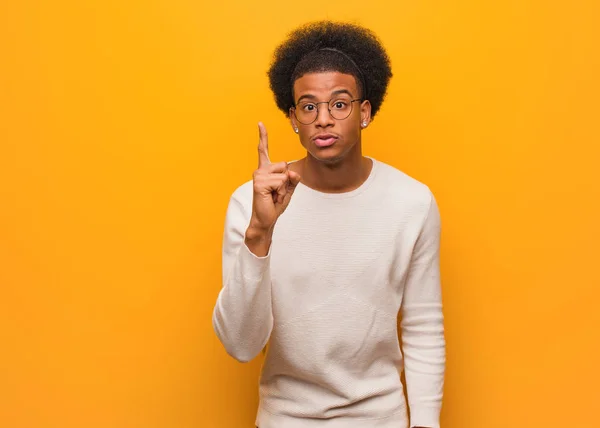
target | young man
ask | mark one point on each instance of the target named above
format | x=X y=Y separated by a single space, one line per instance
x=321 y=255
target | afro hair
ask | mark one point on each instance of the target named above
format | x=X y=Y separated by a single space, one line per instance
x=330 y=46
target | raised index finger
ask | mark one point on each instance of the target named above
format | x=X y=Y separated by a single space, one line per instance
x=263 y=146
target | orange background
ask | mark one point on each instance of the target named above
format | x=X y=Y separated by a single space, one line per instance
x=125 y=126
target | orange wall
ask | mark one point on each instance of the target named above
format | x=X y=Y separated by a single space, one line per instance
x=124 y=127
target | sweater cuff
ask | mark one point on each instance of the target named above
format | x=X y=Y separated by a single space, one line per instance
x=425 y=417
x=252 y=266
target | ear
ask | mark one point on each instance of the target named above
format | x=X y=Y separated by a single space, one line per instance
x=365 y=113
x=293 y=120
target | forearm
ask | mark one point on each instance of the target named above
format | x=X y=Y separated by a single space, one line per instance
x=243 y=316
x=424 y=361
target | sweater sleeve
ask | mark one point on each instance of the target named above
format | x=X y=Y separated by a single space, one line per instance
x=242 y=316
x=422 y=326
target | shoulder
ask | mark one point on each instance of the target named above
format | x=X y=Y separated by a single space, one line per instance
x=403 y=190
x=410 y=199
x=243 y=193
x=240 y=200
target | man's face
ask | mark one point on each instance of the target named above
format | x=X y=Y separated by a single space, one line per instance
x=329 y=139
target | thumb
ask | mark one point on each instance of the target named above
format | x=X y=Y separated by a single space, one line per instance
x=294 y=180
x=292 y=183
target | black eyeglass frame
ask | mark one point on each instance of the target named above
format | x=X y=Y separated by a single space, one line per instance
x=328 y=108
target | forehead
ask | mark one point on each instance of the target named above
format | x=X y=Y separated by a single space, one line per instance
x=324 y=83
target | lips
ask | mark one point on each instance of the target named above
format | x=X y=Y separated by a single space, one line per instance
x=325 y=140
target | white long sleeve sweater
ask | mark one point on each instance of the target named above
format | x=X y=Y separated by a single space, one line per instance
x=340 y=269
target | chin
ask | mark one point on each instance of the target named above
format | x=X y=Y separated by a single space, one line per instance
x=329 y=157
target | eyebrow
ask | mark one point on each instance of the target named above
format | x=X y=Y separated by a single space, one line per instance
x=334 y=93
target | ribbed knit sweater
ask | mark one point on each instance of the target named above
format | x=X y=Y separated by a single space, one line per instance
x=341 y=271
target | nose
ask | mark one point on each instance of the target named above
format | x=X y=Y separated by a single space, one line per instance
x=324 y=119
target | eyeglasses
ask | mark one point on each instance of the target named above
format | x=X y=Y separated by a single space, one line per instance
x=306 y=112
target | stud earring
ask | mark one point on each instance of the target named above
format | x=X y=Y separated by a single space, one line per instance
x=364 y=124
x=296 y=130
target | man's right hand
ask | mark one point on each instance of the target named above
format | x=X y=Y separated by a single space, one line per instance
x=274 y=185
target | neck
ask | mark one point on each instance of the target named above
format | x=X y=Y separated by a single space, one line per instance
x=341 y=176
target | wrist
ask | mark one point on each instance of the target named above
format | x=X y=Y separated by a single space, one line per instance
x=258 y=240
x=258 y=232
